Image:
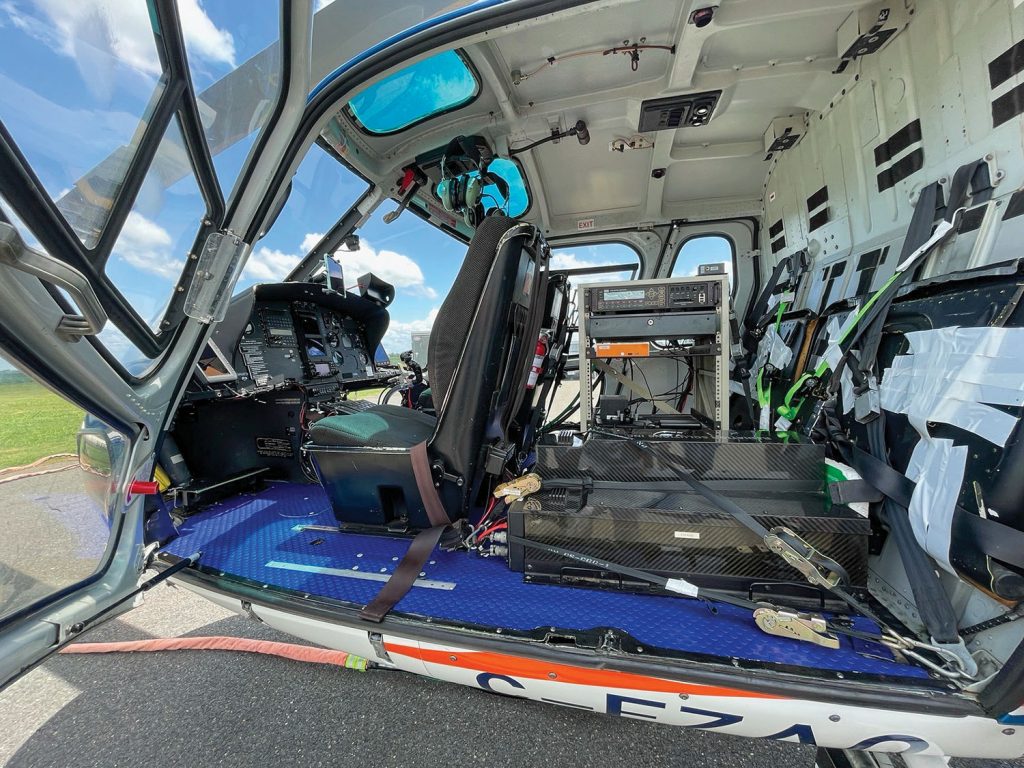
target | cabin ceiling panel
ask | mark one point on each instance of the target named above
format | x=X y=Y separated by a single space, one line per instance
x=697 y=180
x=657 y=21
x=588 y=179
x=784 y=40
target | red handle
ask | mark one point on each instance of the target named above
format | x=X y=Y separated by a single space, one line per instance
x=144 y=488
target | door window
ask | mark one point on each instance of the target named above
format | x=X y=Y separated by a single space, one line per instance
x=150 y=251
x=234 y=60
x=54 y=507
x=94 y=96
x=79 y=81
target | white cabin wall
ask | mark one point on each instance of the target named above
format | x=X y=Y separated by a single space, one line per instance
x=935 y=70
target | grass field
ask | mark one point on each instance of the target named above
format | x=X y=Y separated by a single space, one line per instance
x=34 y=423
x=366 y=394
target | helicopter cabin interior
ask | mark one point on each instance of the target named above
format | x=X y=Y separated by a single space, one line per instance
x=824 y=424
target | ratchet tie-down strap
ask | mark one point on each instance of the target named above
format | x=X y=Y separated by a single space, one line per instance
x=816 y=567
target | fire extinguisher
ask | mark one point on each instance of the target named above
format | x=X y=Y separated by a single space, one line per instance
x=538 y=361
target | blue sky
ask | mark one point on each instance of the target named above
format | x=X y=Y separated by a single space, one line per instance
x=75 y=79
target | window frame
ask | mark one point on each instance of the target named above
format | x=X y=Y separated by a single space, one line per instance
x=29 y=200
x=557 y=245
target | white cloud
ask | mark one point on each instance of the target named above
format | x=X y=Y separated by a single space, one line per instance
x=321 y=4
x=563 y=260
x=269 y=265
x=390 y=266
x=99 y=33
x=310 y=240
x=146 y=245
x=398 y=338
x=203 y=37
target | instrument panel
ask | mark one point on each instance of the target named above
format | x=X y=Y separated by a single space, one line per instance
x=298 y=342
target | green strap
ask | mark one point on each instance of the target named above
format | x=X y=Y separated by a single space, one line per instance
x=764 y=395
x=789 y=409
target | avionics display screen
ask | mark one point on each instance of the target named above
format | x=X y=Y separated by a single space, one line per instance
x=624 y=294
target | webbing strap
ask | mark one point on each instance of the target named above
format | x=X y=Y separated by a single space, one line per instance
x=408 y=570
x=764 y=394
x=853 y=491
x=877 y=306
x=993 y=538
x=760 y=307
x=425 y=485
x=405 y=575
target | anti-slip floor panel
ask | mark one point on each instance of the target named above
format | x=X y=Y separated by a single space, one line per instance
x=259 y=537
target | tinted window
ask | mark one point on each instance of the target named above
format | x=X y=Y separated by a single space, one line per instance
x=422 y=90
x=518 y=199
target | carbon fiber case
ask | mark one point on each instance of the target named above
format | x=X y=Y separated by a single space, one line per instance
x=680 y=535
x=787 y=466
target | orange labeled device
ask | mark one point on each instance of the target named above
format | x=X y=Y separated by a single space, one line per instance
x=623 y=349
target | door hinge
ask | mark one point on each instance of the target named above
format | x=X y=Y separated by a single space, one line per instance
x=219 y=264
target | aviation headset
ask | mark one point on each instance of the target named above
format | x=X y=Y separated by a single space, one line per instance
x=463 y=178
x=461 y=194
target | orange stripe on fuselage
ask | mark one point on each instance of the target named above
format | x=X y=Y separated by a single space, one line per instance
x=519 y=667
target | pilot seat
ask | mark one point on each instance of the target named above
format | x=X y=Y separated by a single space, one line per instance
x=402 y=469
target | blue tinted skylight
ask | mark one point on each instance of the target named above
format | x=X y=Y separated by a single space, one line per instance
x=518 y=197
x=427 y=88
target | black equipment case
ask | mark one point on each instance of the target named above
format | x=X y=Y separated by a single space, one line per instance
x=627 y=505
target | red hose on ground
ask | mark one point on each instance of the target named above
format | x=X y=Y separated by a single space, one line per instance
x=223 y=643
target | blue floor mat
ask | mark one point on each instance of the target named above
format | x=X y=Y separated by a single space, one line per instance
x=255 y=536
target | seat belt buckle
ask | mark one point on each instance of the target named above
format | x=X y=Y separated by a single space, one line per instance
x=867 y=404
x=818 y=569
x=806 y=627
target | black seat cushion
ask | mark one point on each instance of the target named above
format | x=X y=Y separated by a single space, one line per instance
x=383 y=426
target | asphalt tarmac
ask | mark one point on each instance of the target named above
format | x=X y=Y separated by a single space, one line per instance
x=217 y=708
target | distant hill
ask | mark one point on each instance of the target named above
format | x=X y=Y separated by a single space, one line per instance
x=13 y=377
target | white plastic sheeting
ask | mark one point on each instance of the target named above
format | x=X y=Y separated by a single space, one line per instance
x=952 y=376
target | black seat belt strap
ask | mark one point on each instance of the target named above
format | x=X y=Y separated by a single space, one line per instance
x=432 y=504
x=995 y=539
x=404 y=577
x=409 y=567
